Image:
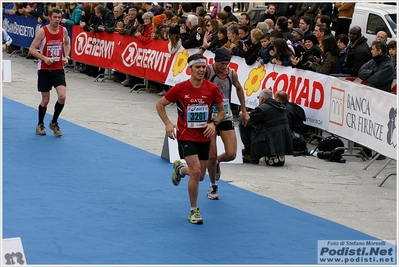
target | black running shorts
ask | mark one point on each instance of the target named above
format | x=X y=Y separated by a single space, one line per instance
x=188 y=148
x=225 y=126
x=49 y=78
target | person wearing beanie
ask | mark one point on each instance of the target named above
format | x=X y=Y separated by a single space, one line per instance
x=231 y=16
x=312 y=53
x=174 y=39
x=160 y=31
x=159 y=19
x=298 y=33
x=298 y=46
x=311 y=38
x=224 y=77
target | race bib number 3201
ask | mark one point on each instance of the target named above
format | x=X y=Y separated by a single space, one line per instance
x=197 y=116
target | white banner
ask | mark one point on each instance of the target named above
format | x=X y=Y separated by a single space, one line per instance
x=365 y=115
x=306 y=88
x=346 y=108
x=6 y=71
x=12 y=252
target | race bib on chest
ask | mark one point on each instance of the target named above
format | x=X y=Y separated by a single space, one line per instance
x=197 y=116
x=54 y=52
x=215 y=110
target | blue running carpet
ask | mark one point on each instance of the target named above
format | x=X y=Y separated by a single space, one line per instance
x=86 y=198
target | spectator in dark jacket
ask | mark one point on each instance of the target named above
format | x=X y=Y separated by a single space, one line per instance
x=379 y=71
x=189 y=39
x=312 y=53
x=267 y=122
x=295 y=113
x=342 y=42
x=270 y=13
x=392 y=52
x=282 y=53
x=118 y=17
x=282 y=26
x=329 y=62
x=211 y=35
x=358 y=52
x=265 y=42
x=105 y=17
x=309 y=10
x=325 y=8
x=230 y=15
x=132 y=15
x=245 y=36
x=252 y=49
x=269 y=53
x=37 y=10
x=290 y=10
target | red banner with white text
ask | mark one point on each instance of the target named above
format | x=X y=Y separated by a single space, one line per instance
x=123 y=53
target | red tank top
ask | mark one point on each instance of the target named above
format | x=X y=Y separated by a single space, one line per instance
x=52 y=46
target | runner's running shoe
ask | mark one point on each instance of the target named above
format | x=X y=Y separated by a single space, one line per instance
x=195 y=216
x=218 y=171
x=40 y=129
x=56 y=129
x=213 y=192
x=176 y=176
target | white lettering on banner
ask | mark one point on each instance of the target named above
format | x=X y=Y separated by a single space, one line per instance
x=145 y=58
x=93 y=46
x=17 y=29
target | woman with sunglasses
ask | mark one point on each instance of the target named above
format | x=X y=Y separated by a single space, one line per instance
x=292 y=23
x=215 y=37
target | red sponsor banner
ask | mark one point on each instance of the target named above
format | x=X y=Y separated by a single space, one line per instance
x=123 y=53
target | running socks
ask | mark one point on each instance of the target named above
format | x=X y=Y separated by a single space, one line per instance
x=42 y=112
x=57 y=111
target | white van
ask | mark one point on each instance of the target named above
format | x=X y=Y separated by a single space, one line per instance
x=370 y=17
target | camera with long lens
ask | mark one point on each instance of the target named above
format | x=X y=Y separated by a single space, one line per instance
x=311 y=58
x=246 y=42
x=333 y=156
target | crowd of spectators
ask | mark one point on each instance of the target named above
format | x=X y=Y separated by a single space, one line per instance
x=297 y=35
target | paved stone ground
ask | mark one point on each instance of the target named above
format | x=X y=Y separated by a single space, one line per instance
x=344 y=193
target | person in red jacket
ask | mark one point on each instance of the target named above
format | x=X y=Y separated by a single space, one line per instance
x=144 y=35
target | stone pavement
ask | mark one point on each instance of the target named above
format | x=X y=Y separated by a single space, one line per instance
x=344 y=193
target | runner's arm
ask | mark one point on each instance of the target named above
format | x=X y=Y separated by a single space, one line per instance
x=35 y=45
x=241 y=98
x=67 y=43
x=169 y=126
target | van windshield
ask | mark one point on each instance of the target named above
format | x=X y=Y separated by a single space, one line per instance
x=391 y=18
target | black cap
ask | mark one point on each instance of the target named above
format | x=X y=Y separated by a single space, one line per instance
x=222 y=54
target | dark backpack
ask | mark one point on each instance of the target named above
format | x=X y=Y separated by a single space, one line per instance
x=330 y=143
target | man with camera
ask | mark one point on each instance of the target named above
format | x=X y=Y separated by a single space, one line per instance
x=296 y=116
x=245 y=38
x=267 y=134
